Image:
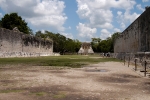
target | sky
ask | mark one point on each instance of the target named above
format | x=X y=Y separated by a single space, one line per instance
x=76 y=19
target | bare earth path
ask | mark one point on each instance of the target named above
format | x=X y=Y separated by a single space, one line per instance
x=103 y=81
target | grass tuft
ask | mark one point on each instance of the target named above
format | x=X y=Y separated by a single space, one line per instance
x=60 y=95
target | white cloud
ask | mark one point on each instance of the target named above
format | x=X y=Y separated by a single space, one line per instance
x=85 y=31
x=99 y=14
x=101 y=18
x=99 y=10
x=106 y=4
x=106 y=25
x=42 y=14
x=119 y=13
x=145 y=0
x=130 y=17
x=68 y=35
x=23 y=7
x=140 y=7
x=126 y=18
x=123 y=26
x=120 y=16
x=105 y=34
x=94 y=14
x=122 y=4
x=117 y=30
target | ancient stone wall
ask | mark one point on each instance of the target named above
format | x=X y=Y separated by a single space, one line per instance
x=135 y=38
x=17 y=44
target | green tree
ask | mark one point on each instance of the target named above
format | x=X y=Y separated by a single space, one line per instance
x=95 y=42
x=61 y=44
x=9 y=21
x=110 y=47
x=70 y=45
x=106 y=45
x=40 y=34
x=0 y=23
x=115 y=36
x=77 y=45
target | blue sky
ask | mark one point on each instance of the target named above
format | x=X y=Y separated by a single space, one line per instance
x=77 y=19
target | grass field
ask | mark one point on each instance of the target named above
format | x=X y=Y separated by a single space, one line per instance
x=74 y=61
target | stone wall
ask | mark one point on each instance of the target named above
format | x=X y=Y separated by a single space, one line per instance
x=136 y=37
x=17 y=44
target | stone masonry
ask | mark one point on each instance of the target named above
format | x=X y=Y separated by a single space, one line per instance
x=17 y=44
x=136 y=37
x=134 y=42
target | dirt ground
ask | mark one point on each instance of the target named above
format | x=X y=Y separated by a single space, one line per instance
x=103 y=81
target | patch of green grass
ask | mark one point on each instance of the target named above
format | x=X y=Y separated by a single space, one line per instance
x=10 y=91
x=39 y=93
x=60 y=95
x=74 y=61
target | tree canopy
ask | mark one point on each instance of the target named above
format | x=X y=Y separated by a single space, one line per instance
x=106 y=45
x=61 y=43
x=9 y=21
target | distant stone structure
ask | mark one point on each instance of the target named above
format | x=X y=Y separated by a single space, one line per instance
x=86 y=49
x=17 y=44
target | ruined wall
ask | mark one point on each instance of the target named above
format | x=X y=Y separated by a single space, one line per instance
x=135 y=38
x=17 y=44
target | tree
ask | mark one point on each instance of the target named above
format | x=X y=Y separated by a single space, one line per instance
x=61 y=44
x=40 y=34
x=9 y=21
x=77 y=45
x=0 y=23
x=106 y=45
x=69 y=45
x=95 y=42
x=115 y=36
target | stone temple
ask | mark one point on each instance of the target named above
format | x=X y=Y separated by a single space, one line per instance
x=85 y=49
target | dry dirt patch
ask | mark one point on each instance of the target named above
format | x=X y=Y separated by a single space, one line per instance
x=117 y=82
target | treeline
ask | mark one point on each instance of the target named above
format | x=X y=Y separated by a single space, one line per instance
x=61 y=43
x=104 y=46
x=66 y=45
